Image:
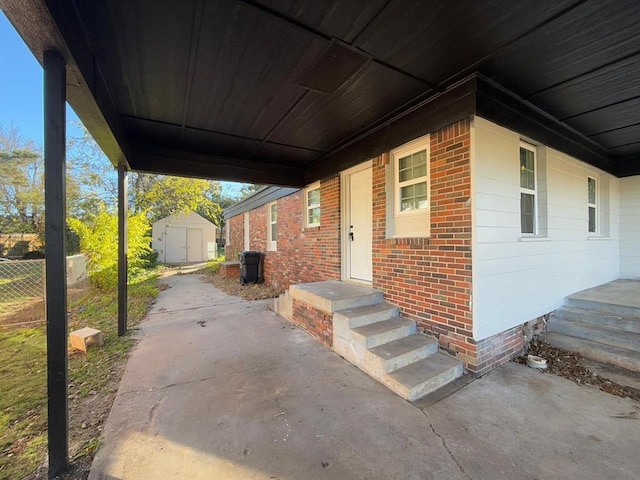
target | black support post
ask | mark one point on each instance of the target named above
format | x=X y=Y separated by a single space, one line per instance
x=56 y=260
x=122 y=249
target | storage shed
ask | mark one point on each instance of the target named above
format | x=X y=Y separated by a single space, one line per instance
x=184 y=237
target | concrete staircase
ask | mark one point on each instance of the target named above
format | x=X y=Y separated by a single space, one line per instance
x=600 y=326
x=371 y=334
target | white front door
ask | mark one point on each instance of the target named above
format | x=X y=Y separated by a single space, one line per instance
x=194 y=245
x=358 y=225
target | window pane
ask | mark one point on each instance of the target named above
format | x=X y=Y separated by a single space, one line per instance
x=527 y=169
x=592 y=220
x=313 y=198
x=313 y=215
x=591 y=187
x=420 y=188
x=527 y=212
x=413 y=197
x=274 y=232
x=274 y=213
x=412 y=166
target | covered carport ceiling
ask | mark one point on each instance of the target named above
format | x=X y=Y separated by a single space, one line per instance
x=288 y=91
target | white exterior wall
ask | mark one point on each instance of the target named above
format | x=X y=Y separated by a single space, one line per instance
x=630 y=227
x=182 y=220
x=517 y=279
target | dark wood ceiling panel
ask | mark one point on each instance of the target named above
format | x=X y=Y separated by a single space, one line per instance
x=621 y=136
x=611 y=84
x=435 y=40
x=283 y=154
x=592 y=35
x=146 y=131
x=320 y=121
x=343 y=19
x=605 y=119
x=144 y=50
x=246 y=66
x=630 y=150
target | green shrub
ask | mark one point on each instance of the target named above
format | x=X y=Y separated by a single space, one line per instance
x=99 y=241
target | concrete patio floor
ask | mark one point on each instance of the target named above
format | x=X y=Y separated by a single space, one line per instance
x=219 y=388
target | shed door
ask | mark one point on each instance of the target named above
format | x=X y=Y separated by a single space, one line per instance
x=194 y=245
x=176 y=245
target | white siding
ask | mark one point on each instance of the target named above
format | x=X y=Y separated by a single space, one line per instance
x=516 y=279
x=630 y=227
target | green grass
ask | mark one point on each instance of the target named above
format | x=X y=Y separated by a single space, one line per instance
x=23 y=398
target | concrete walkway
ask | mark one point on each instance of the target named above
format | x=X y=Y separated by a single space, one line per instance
x=219 y=388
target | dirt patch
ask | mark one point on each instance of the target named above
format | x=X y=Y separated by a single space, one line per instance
x=32 y=312
x=570 y=365
x=232 y=286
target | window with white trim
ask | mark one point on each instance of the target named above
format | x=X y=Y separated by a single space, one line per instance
x=592 y=204
x=272 y=226
x=411 y=195
x=312 y=205
x=528 y=190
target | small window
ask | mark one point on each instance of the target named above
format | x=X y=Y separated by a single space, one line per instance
x=412 y=182
x=592 y=204
x=408 y=217
x=312 y=205
x=272 y=226
x=528 y=190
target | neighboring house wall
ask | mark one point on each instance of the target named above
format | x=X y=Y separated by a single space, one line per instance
x=303 y=254
x=630 y=227
x=516 y=277
x=184 y=237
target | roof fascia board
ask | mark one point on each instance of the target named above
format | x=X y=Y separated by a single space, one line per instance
x=258 y=199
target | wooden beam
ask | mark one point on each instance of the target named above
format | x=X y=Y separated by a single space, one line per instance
x=56 y=260
x=193 y=164
x=55 y=25
x=123 y=262
x=503 y=107
x=437 y=111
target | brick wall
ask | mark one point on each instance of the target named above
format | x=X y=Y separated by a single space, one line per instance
x=236 y=238
x=430 y=278
x=303 y=254
x=316 y=322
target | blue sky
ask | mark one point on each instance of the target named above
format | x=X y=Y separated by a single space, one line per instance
x=21 y=87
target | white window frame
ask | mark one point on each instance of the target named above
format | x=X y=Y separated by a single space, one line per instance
x=307 y=208
x=528 y=191
x=410 y=223
x=272 y=243
x=594 y=205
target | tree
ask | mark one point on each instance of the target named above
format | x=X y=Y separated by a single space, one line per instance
x=99 y=240
x=21 y=184
x=249 y=189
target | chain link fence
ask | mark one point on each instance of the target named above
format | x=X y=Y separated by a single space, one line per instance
x=24 y=280
x=20 y=281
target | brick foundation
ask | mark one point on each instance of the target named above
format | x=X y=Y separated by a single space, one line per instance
x=314 y=321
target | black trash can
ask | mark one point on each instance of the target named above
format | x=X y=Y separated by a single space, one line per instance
x=251 y=267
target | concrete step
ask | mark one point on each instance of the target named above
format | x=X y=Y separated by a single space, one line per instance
x=357 y=317
x=603 y=319
x=580 y=300
x=400 y=353
x=595 y=333
x=332 y=295
x=375 y=334
x=596 y=351
x=424 y=376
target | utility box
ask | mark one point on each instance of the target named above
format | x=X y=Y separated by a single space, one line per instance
x=251 y=267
